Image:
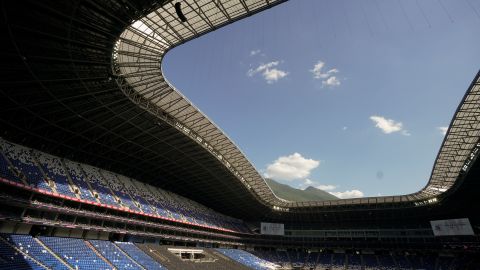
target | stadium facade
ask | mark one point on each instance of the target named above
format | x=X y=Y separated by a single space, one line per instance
x=97 y=144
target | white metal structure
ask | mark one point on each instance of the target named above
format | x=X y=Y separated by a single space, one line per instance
x=138 y=56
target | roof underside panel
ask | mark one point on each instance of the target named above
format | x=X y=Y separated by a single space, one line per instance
x=58 y=94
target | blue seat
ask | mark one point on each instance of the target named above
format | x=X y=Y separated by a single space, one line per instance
x=114 y=255
x=139 y=256
x=76 y=253
x=21 y=158
x=15 y=260
x=6 y=172
x=246 y=258
x=53 y=168
x=79 y=180
x=28 y=244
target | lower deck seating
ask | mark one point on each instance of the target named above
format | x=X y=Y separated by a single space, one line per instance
x=311 y=260
x=283 y=257
x=24 y=252
x=324 y=260
x=354 y=261
x=206 y=259
x=76 y=253
x=12 y=259
x=338 y=261
x=29 y=245
x=139 y=256
x=373 y=261
x=386 y=262
x=114 y=255
x=247 y=259
x=370 y=261
x=403 y=262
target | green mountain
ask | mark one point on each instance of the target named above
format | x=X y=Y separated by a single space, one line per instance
x=293 y=194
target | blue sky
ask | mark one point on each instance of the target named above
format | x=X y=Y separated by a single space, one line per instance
x=349 y=96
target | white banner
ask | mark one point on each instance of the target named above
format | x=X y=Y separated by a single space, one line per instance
x=445 y=227
x=272 y=228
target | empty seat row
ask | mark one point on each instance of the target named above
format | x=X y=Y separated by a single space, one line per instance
x=75 y=252
x=247 y=259
x=115 y=255
x=59 y=253
x=13 y=259
x=139 y=256
x=32 y=247
x=342 y=261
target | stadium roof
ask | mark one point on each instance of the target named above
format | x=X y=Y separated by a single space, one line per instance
x=84 y=80
x=146 y=41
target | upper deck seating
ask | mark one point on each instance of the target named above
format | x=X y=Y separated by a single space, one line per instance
x=23 y=161
x=98 y=184
x=134 y=193
x=53 y=168
x=6 y=170
x=78 y=179
x=74 y=180
x=119 y=190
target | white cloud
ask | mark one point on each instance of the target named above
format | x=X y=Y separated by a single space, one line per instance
x=268 y=71
x=254 y=52
x=388 y=125
x=332 y=81
x=326 y=187
x=262 y=67
x=317 y=70
x=333 y=70
x=345 y=128
x=443 y=130
x=328 y=78
x=291 y=167
x=273 y=75
x=354 y=193
x=308 y=182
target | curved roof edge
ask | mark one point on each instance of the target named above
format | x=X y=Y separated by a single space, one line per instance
x=137 y=59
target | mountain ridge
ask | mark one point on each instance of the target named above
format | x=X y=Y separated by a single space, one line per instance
x=294 y=194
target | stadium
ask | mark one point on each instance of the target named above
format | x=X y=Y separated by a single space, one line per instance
x=106 y=165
